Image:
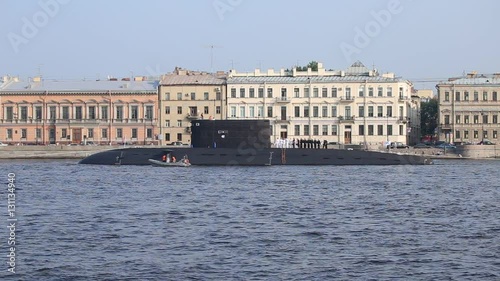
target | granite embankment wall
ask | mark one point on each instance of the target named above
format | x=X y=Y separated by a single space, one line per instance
x=50 y=152
x=479 y=151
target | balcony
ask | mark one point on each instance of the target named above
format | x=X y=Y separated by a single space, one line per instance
x=346 y=119
x=283 y=119
x=283 y=100
x=346 y=99
x=403 y=120
x=446 y=126
x=192 y=116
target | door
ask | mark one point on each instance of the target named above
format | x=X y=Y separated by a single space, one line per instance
x=283 y=135
x=77 y=136
x=52 y=135
x=347 y=137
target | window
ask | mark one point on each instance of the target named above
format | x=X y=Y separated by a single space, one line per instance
x=297 y=111
x=193 y=96
x=306 y=92
x=457 y=134
x=361 y=111
x=283 y=94
x=179 y=96
x=466 y=96
x=380 y=130
x=297 y=130
x=52 y=112
x=495 y=134
x=466 y=119
x=24 y=133
x=334 y=92
x=446 y=96
x=401 y=130
x=348 y=93
x=269 y=111
x=242 y=112
x=476 y=119
x=485 y=119
x=315 y=130
x=324 y=109
x=485 y=96
x=251 y=112
x=38 y=133
x=389 y=130
x=324 y=130
x=65 y=113
x=119 y=113
x=167 y=123
x=476 y=134
x=149 y=133
x=306 y=130
x=38 y=112
x=324 y=92
x=9 y=113
x=361 y=130
x=179 y=136
x=458 y=119
x=334 y=111
x=334 y=130
x=370 y=130
x=457 y=96
x=315 y=111
x=296 y=92
x=167 y=136
x=261 y=111
x=179 y=123
x=261 y=92
x=315 y=92
x=380 y=91
x=361 y=91
x=306 y=111
x=167 y=109
x=134 y=133
x=64 y=133
x=495 y=119
x=217 y=109
x=242 y=92
x=104 y=133
x=218 y=96
x=149 y=112
x=389 y=111
x=78 y=113
x=389 y=91
x=447 y=119
x=119 y=133
x=401 y=93
x=104 y=112
x=24 y=113
x=205 y=96
x=167 y=96
x=205 y=110
x=90 y=133
x=270 y=92
x=134 y=110
x=476 y=96
x=370 y=91
x=466 y=134
x=347 y=112
x=233 y=111
x=233 y=93
x=251 y=92
x=380 y=111
x=494 y=96
x=370 y=111
x=179 y=110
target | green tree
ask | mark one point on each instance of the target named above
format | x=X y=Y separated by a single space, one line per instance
x=429 y=116
x=313 y=65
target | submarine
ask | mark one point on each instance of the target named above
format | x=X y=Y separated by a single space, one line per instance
x=247 y=143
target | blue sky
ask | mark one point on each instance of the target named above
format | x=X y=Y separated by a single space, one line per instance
x=418 y=40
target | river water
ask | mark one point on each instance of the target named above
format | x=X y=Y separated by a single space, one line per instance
x=85 y=222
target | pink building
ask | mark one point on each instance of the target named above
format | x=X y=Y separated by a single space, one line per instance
x=41 y=111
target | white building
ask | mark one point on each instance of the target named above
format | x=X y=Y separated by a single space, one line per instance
x=355 y=106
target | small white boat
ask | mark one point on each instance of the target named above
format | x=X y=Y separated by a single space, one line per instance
x=180 y=163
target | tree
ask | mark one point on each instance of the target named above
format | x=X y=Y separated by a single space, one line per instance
x=429 y=117
x=313 y=65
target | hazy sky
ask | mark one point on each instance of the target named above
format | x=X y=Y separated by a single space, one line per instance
x=418 y=40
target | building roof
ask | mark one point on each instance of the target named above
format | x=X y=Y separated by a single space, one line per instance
x=14 y=85
x=306 y=80
x=201 y=79
x=481 y=80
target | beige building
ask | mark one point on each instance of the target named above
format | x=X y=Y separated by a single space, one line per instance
x=41 y=111
x=355 y=106
x=189 y=95
x=469 y=109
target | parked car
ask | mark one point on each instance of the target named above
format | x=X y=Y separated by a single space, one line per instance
x=486 y=142
x=446 y=146
x=398 y=145
x=3 y=144
x=421 y=145
x=176 y=143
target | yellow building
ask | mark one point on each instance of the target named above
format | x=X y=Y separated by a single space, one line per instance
x=185 y=96
x=355 y=106
x=41 y=111
x=469 y=109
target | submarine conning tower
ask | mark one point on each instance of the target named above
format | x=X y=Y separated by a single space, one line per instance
x=231 y=133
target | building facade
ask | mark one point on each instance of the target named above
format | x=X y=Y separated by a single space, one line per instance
x=469 y=109
x=189 y=95
x=41 y=111
x=355 y=106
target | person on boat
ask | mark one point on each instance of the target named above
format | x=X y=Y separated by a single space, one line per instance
x=173 y=159
x=164 y=158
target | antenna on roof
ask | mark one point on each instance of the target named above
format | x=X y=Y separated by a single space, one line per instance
x=212 y=56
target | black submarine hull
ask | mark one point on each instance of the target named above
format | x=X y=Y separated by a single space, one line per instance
x=254 y=157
